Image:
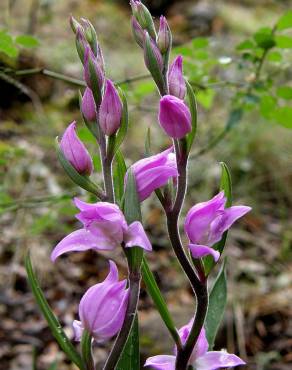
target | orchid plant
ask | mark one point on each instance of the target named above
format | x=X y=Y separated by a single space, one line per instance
x=109 y=308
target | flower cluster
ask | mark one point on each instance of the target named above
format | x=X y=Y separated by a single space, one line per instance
x=114 y=221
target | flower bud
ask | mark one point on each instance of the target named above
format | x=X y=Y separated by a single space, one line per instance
x=75 y=151
x=103 y=307
x=144 y=17
x=88 y=105
x=152 y=56
x=138 y=32
x=74 y=24
x=81 y=43
x=154 y=172
x=93 y=74
x=176 y=81
x=164 y=38
x=90 y=35
x=110 y=110
x=174 y=117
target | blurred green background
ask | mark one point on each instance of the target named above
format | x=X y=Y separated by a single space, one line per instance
x=239 y=65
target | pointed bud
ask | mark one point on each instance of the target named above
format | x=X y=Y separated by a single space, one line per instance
x=164 y=38
x=81 y=43
x=75 y=151
x=110 y=110
x=174 y=117
x=176 y=81
x=93 y=74
x=88 y=105
x=90 y=35
x=144 y=17
x=138 y=32
x=74 y=24
x=154 y=62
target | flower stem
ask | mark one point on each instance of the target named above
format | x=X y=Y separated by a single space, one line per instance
x=199 y=287
x=119 y=345
x=86 y=347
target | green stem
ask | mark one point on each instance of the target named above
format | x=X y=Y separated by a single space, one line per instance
x=86 y=349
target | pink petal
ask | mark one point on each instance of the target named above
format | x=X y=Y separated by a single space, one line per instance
x=161 y=362
x=79 y=241
x=135 y=236
x=202 y=344
x=200 y=217
x=78 y=330
x=216 y=359
x=199 y=251
x=225 y=221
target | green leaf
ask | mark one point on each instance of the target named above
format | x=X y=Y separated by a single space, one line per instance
x=193 y=110
x=155 y=293
x=264 y=38
x=268 y=105
x=120 y=170
x=274 y=56
x=52 y=321
x=206 y=97
x=285 y=92
x=283 y=41
x=283 y=116
x=285 y=21
x=27 y=41
x=121 y=134
x=200 y=42
x=83 y=181
x=130 y=358
x=7 y=45
x=132 y=212
x=216 y=308
x=245 y=45
x=226 y=185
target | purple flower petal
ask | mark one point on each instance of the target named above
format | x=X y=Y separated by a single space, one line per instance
x=200 y=216
x=161 y=362
x=78 y=330
x=216 y=359
x=79 y=241
x=135 y=236
x=200 y=251
x=225 y=221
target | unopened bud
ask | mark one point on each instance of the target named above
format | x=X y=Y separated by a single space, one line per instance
x=110 y=110
x=144 y=18
x=164 y=38
x=138 y=32
x=176 y=81
x=93 y=74
x=75 y=151
x=74 y=24
x=88 y=105
x=90 y=35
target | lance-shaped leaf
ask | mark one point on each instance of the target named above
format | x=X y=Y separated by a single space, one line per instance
x=130 y=358
x=193 y=110
x=217 y=303
x=52 y=321
x=155 y=293
x=120 y=170
x=132 y=212
x=83 y=181
x=226 y=185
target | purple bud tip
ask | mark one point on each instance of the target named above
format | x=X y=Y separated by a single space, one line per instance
x=88 y=105
x=75 y=151
x=110 y=111
x=176 y=81
x=174 y=117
